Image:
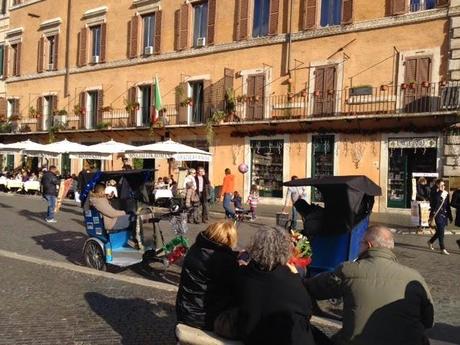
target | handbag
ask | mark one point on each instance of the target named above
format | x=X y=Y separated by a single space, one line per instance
x=432 y=220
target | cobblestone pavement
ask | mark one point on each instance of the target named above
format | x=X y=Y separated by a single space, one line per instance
x=44 y=305
x=38 y=293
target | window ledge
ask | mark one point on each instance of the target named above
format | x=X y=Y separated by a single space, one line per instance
x=95 y=12
x=51 y=23
x=28 y=3
x=143 y=2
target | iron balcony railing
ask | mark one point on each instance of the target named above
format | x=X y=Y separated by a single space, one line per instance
x=406 y=98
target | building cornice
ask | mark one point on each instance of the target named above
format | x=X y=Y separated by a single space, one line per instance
x=375 y=24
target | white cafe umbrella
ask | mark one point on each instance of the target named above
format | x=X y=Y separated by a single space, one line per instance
x=20 y=147
x=103 y=150
x=169 y=149
x=53 y=150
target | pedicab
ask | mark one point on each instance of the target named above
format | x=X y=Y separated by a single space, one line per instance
x=114 y=247
x=335 y=234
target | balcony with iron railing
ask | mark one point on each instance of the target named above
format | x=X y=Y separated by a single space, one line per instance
x=422 y=99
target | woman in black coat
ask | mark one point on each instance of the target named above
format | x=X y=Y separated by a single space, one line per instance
x=441 y=212
x=207 y=283
x=274 y=307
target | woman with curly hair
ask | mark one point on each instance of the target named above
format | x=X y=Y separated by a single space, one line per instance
x=274 y=307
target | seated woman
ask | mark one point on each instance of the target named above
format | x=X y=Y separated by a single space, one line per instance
x=208 y=277
x=274 y=307
x=113 y=219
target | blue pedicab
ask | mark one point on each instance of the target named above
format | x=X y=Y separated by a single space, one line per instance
x=103 y=247
x=336 y=230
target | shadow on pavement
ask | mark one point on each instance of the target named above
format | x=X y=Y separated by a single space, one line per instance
x=422 y=248
x=5 y=205
x=136 y=320
x=445 y=332
x=69 y=244
x=77 y=212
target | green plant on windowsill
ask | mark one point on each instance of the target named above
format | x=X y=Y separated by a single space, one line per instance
x=6 y=127
x=230 y=101
x=33 y=113
x=15 y=117
x=57 y=127
x=186 y=102
x=78 y=110
x=216 y=118
x=103 y=125
x=61 y=112
x=131 y=106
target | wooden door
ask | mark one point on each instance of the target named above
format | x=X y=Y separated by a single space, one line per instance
x=325 y=90
x=255 y=97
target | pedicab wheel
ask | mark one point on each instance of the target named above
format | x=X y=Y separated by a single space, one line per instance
x=94 y=256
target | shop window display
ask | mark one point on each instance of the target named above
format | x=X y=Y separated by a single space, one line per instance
x=322 y=160
x=267 y=167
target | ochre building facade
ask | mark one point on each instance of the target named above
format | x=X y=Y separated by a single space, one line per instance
x=292 y=87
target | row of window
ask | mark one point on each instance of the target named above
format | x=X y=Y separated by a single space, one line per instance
x=144 y=31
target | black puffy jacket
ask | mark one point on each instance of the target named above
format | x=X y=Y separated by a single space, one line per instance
x=49 y=183
x=207 y=284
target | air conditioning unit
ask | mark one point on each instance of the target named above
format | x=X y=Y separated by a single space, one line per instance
x=148 y=50
x=200 y=42
x=96 y=59
x=450 y=97
x=51 y=67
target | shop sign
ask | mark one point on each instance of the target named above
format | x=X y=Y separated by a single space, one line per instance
x=412 y=143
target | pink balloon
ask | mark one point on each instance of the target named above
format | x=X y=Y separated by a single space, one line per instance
x=243 y=168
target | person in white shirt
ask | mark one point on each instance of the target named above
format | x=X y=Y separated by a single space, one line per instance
x=293 y=194
x=190 y=178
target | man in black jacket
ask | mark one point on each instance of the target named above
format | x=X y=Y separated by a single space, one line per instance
x=203 y=185
x=49 y=188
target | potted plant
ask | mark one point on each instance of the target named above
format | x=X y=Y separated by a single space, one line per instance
x=15 y=118
x=103 y=125
x=426 y=84
x=290 y=96
x=230 y=101
x=317 y=93
x=107 y=108
x=78 y=110
x=330 y=92
x=186 y=102
x=413 y=84
x=443 y=83
x=303 y=93
x=131 y=106
x=33 y=113
x=383 y=87
x=216 y=118
x=404 y=86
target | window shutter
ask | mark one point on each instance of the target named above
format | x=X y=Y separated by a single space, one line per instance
x=56 y=51
x=157 y=43
x=423 y=69
x=40 y=57
x=309 y=14
x=82 y=114
x=100 y=105
x=410 y=73
x=259 y=91
x=441 y=3
x=18 y=58
x=398 y=7
x=184 y=25
x=16 y=107
x=5 y=62
x=54 y=105
x=274 y=16
x=243 y=20
x=103 y=41
x=347 y=11
x=207 y=99
x=131 y=100
x=3 y=108
x=177 y=30
x=133 y=39
x=82 y=55
x=211 y=21
x=250 y=111
x=182 y=111
x=39 y=108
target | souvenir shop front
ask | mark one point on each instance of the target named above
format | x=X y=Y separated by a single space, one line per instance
x=407 y=156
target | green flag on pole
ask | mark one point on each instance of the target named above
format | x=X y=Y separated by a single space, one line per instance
x=158 y=105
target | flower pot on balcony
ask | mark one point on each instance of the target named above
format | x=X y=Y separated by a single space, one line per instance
x=443 y=83
x=257 y=98
x=413 y=85
x=426 y=84
x=290 y=96
x=317 y=93
x=383 y=87
x=330 y=92
x=404 y=86
x=303 y=93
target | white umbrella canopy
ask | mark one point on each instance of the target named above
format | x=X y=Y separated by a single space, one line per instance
x=169 y=149
x=55 y=149
x=103 y=150
x=21 y=146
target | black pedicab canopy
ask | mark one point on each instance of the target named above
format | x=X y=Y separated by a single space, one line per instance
x=132 y=183
x=347 y=200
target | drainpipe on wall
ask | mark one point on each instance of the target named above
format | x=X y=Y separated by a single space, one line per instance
x=67 y=50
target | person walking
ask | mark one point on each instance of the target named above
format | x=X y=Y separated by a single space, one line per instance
x=384 y=302
x=441 y=213
x=455 y=203
x=49 y=188
x=294 y=193
x=203 y=187
x=253 y=200
x=228 y=187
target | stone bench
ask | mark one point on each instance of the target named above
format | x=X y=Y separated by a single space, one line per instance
x=187 y=335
